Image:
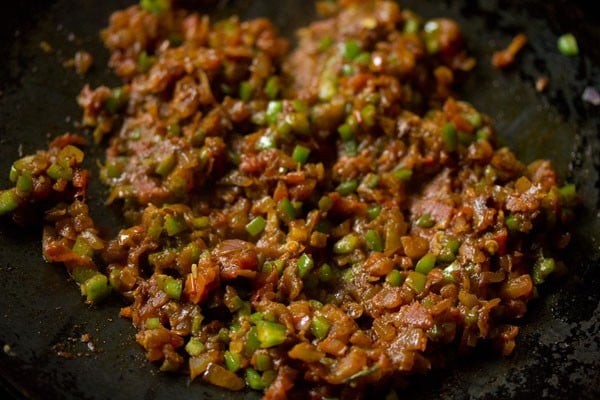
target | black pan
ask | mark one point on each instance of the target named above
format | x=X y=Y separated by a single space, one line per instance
x=42 y=317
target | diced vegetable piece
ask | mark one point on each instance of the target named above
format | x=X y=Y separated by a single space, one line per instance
x=272 y=87
x=8 y=201
x=286 y=207
x=305 y=264
x=346 y=132
x=326 y=273
x=57 y=171
x=153 y=323
x=233 y=361
x=256 y=381
x=24 y=184
x=252 y=342
x=274 y=108
x=567 y=44
x=256 y=226
x=300 y=154
x=325 y=43
x=425 y=221
x=246 y=91
x=449 y=136
x=166 y=165
x=346 y=245
x=411 y=26
x=173 y=288
x=449 y=271
x=194 y=347
x=95 y=288
x=350 y=49
x=174 y=224
x=368 y=114
x=542 y=269
x=347 y=187
x=374 y=241
x=320 y=326
x=426 y=263
x=416 y=281
x=403 y=174
x=373 y=211
x=394 y=278
x=270 y=333
x=119 y=96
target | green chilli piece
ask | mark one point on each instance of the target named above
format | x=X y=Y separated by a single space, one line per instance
x=403 y=174
x=286 y=207
x=567 y=45
x=411 y=26
x=512 y=223
x=542 y=269
x=155 y=6
x=272 y=87
x=57 y=171
x=256 y=381
x=425 y=221
x=363 y=58
x=394 y=278
x=24 y=183
x=474 y=119
x=374 y=241
x=347 y=188
x=300 y=154
x=233 y=361
x=117 y=99
x=174 y=224
x=368 y=114
x=319 y=326
x=346 y=245
x=8 y=201
x=350 y=49
x=346 y=132
x=274 y=108
x=173 y=287
x=373 y=211
x=325 y=203
x=95 y=288
x=166 y=165
x=325 y=273
x=82 y=248
x=450 y=136
x=448 y=272
x=263 y=361
x=246 y=91
x=325 y=43
x=371 y=180
x=256 y=226
x=416 y=281
x=153 y=323
x=194 y=347
x=426 y=263
x=270 y=334
x=145 y=61
x=305 y=264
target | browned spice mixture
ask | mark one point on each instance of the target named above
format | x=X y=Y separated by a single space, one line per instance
x=307 y=224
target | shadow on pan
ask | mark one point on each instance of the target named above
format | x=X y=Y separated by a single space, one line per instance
x=42 y=315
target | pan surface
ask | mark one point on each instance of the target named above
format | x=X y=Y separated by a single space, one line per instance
x=43 y=319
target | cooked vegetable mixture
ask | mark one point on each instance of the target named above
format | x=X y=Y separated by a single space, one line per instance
x=304 y=223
